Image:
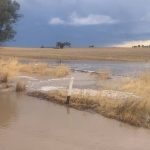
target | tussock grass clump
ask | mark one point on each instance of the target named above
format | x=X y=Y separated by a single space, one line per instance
x=20 y=86
x=60 y=71
x=3 y=77
x=9 y=66
x=41 y=69
x=134 y=112
x=103 y=75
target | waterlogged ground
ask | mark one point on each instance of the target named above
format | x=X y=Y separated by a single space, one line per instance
x=31 y=124
x=81 y=81
x=27 y=123
x=118 y=68
x=121 y=71
x=84 y=73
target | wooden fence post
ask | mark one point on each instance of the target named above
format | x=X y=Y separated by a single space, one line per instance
x=70 y=90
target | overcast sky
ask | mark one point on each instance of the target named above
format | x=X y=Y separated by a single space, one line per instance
x=82 y=22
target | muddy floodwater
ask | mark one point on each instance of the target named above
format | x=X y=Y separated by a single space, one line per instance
x=28 y=123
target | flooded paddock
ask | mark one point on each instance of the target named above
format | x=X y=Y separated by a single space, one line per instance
x=118 y=68
x=33 y=124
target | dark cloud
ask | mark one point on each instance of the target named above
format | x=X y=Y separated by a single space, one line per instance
x=132 y=19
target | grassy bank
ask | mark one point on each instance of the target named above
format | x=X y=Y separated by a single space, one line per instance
x=134 y=112
x=11 y=67
x=125 y=54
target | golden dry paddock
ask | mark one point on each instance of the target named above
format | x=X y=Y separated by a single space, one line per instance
x=126 y=54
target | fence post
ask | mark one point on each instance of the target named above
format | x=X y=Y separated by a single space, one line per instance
x=70 y=90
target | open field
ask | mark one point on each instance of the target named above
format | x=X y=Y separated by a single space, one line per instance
x=125 y=54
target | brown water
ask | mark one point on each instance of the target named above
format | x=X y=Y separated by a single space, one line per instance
x=30 y=124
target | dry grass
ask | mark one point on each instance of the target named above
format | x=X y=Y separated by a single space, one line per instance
x=128 y=54
x=11 y=67
x=20 y=86
x=44 y=69
x=8 y=66
x=103 y=75
x=3 y=77
x=134 y=112
x=139 y=86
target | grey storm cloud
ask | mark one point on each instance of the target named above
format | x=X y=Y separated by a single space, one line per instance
x=104 y=21
x=123 y=10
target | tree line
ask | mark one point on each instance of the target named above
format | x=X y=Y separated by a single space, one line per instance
x=141 y=46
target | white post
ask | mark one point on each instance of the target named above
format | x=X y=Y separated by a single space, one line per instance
x=70 y=90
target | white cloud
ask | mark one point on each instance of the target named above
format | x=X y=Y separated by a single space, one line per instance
x=76 y=20
x=56 y=21
x=90 y=19
x=132 y=43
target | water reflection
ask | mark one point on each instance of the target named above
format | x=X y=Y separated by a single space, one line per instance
x=68 y=110
x=8 y=109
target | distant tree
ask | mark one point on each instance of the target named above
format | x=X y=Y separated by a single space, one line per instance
x=8 y=17
x=61 y=45
x=67 y=44
x=42 y=46
x=91 y=46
